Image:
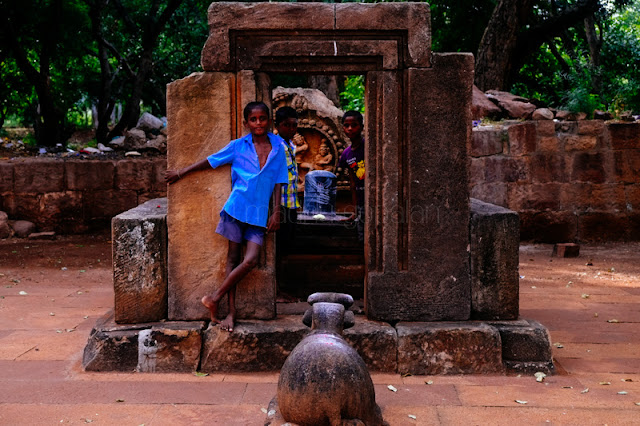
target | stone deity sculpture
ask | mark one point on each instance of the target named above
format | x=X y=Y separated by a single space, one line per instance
x=323 y=160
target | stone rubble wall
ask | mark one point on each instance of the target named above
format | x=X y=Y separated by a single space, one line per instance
x=568 y=181
x=75 y=196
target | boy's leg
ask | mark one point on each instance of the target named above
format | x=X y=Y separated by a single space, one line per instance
x=229 y=285
x=234 y=255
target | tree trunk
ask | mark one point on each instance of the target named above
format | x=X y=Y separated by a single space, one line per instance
x=495 y=54
x=327 y=84
x=155 y=25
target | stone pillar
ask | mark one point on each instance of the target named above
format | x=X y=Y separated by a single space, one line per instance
x=495 y=242
x=140 y=263
x=203 y=111
x=418 y=198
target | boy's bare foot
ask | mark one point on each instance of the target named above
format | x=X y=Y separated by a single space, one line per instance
x=212 y=305
x=228 y=322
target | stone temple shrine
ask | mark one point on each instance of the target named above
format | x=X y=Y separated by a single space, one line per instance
x=440 y=291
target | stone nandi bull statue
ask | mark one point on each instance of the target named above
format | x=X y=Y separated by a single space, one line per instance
x=324 y=381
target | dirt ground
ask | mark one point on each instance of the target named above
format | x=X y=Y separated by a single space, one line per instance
x=53 y=292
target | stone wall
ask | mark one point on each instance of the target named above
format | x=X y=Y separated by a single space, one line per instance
x=75 y=196
x=569 y=181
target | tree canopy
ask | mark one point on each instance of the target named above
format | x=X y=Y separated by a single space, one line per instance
x=61 y=56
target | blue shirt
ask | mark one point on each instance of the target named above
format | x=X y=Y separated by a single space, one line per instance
x=251 y=188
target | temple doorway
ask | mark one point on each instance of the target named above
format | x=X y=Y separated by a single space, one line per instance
x=324 y=252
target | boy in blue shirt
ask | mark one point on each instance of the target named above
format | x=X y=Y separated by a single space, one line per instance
x=258 y=168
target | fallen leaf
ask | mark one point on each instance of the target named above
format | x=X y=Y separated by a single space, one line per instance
x=52 y=314
x=585 y=296
x=585 y=390
x=521 y=402
x=23 y=293
x=533 y=286
x=595 y=315
x=558 y=345
x=200 y=374
x=637 y=403
x=623 y=393
x=392 y=389
x=613 y=321
x=540 y=376
x=119 y=400
x=407 y=375
x=627 y=380
x=411 y=416
x=264 y=410
x=428 y=382
x=604 y=383
x=82 y=270
x=567 y=387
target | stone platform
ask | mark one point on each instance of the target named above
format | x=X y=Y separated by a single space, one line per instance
x=494 y=340
x=461 y=347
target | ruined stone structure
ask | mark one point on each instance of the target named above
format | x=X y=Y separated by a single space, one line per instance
x=418 y=215
x=429 y=269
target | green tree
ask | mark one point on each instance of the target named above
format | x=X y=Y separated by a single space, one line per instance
x=42 y=38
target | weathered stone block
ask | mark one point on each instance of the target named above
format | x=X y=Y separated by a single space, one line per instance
x=170 y=347
x=575 y=196
x=588 y=167
x=525 y=341
x=624 y=135
x=376 y=342
x=134 y=175
x=414 y=18
x=505 y=169
x=608 y=197
x=603 y=226
x=548 y=227
x=541 y=196
x=477 y=171
x=448 y=348
x=548 y=144
x=140 y=263
x=626 y=166
x=104 y=204
x=494 y=256
x=547 y=167
x=632 y=197
x=580 y=142
x=23 y=206
x=494 y=193
x=89 y=174
x=522 y=138
x=38 y=176
x=159 y=168
x=591 y=127
x=59 y=206
x=6 y=176
x=546 y=128
x=112 y=347
x=487 y=141
x=566 y=250
x=253 y=345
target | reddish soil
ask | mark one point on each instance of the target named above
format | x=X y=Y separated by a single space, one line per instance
x=53 y=292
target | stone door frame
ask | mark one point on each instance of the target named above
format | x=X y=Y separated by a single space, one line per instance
x=406 y=277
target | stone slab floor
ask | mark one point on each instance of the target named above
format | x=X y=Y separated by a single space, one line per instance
x=52 y=292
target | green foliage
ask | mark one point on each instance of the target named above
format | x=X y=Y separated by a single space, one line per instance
x=352 y=98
